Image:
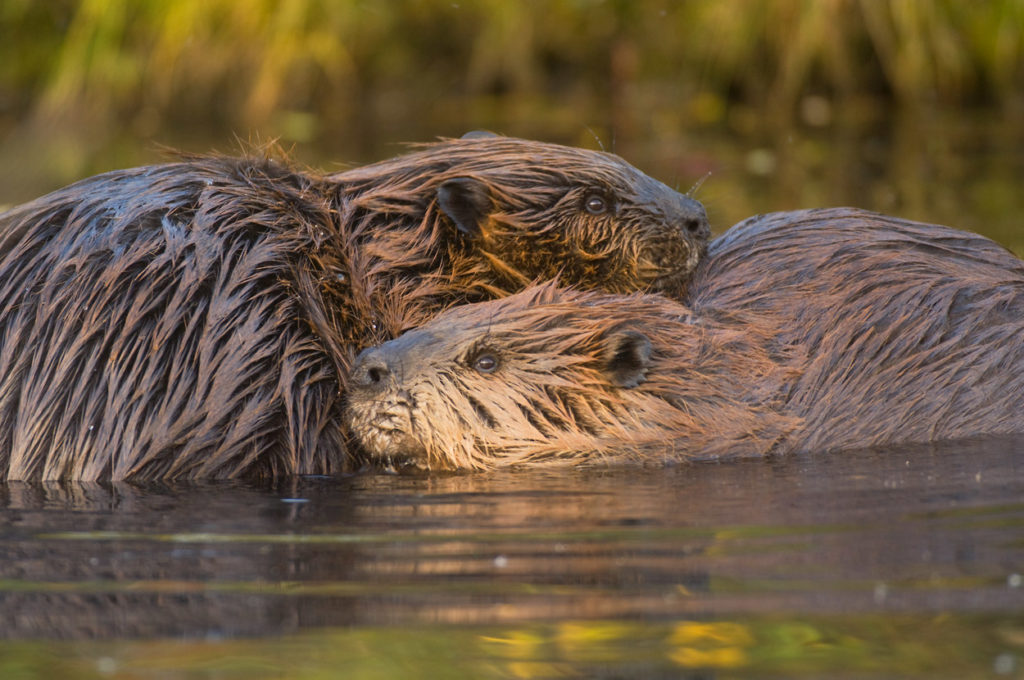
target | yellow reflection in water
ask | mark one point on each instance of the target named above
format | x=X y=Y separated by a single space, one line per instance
x=718 y=644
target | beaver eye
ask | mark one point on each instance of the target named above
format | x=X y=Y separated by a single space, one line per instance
x=485 y=363
x=595 y=204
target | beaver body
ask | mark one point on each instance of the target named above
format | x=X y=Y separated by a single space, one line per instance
x=198 y=319
x=913 y=331
x=803 y=331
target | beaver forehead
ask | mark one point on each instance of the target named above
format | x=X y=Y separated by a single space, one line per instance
x=546 y=307
x=452 y=337
x=512 y=330
x=524 y=152
x=495 y=319
x=443 y=342
x=571 y=168
x=620 y=182
x=527 y=161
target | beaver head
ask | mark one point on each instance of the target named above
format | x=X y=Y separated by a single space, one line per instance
x=556 y=375
x=511 y=211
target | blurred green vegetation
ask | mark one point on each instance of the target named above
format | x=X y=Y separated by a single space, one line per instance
x=751 y=89
x=247 y=64
x=863 y=646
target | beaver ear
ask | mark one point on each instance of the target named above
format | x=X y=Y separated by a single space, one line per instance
x=478 y=134
x=627 y=356
x=466 y=202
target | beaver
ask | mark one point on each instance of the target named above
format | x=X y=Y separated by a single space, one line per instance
x=197 y=319
x=558 y=375
x=914 y=330
x=804 y=331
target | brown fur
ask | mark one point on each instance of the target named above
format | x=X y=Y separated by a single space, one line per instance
x=913 y=331
x=197 y=319
x=808 y=331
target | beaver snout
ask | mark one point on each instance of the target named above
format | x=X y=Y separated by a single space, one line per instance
x=371 y=372
x=694 y=219
x=674 y=208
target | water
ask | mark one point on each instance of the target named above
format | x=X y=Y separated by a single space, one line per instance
x=899 y=563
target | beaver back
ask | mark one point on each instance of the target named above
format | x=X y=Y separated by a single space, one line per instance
x=149 y=329
x=913 y=331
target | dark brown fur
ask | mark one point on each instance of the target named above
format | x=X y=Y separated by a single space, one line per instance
x=808 y=331
x=197 y=319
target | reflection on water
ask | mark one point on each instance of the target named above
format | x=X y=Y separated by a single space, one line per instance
x=900 y=562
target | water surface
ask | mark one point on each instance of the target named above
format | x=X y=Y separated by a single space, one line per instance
x=899 y=563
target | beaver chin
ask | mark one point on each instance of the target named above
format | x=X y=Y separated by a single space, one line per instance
x=385 y=439
x=669 y=270
x=402 y=462
x=395 y=450
x=673 y=284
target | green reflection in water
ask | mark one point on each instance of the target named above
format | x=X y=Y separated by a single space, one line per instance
x=934 y=646
x=598 y=535
x=717 y=586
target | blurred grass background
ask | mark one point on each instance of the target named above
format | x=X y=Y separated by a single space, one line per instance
x=904 y=106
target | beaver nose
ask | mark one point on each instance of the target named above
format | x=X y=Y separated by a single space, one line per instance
x=371 y=371
x=694 y=219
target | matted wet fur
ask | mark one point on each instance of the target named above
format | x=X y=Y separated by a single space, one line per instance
x=197 y=319
x=914 y=331
x=807 y=331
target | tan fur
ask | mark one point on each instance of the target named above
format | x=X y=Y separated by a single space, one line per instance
x=710 y=388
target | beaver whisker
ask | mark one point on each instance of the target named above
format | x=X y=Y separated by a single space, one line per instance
x=697 y=185
x=595 y=136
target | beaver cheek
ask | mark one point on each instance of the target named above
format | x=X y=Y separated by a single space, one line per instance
x=667 y=266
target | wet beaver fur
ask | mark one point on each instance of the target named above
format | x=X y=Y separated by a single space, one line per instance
x=804 y=331
x=197 y=319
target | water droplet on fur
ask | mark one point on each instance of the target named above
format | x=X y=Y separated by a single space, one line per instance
x=340 y=276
